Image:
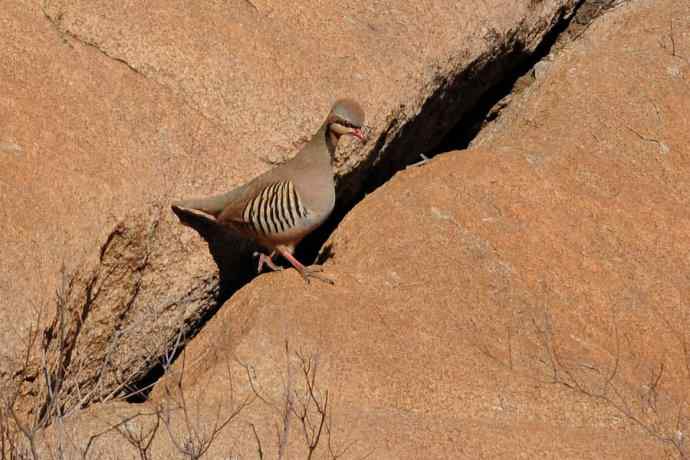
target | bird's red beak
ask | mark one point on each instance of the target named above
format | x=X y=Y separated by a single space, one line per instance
x=359 y=134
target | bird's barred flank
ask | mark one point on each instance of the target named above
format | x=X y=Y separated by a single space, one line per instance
x=276 y=209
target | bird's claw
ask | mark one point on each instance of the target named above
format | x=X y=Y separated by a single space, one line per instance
x=313 y=271
x=267 y=260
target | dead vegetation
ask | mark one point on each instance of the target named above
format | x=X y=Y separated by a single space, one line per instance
x=635 y=390
x=44 y=430
x=644 y=403
x=302 y=410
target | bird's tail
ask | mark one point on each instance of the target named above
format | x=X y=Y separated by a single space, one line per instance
x=213 y=205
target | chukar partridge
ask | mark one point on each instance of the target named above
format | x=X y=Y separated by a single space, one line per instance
x=280 y=207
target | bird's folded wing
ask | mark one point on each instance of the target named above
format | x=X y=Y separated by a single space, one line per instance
x=275 y=208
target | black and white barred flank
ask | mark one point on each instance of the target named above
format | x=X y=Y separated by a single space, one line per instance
x=277 y=209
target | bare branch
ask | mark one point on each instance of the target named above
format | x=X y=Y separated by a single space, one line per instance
x=260 y=450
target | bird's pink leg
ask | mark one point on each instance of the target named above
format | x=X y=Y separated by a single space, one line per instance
x=268 y=260
x=306 y=272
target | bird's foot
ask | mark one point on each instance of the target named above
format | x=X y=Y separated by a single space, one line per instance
x=314 y=271
x=267 y=260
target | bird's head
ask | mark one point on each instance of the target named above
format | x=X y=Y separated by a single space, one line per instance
x=346 y=118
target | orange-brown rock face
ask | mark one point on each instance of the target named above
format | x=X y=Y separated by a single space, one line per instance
x=113 y=110
x=524 y=298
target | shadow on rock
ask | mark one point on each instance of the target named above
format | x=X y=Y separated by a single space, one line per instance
x=129 y=307
x=232 y=253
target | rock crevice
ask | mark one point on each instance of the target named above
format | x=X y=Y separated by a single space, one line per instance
x=120 y=305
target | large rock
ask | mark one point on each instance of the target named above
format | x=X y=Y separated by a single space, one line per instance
x=524 y=298
x=117 y=108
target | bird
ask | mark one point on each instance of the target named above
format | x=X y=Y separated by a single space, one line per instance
x=282 y=206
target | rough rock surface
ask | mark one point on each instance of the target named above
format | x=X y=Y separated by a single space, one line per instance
x=117 y=108
x=526 y=298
